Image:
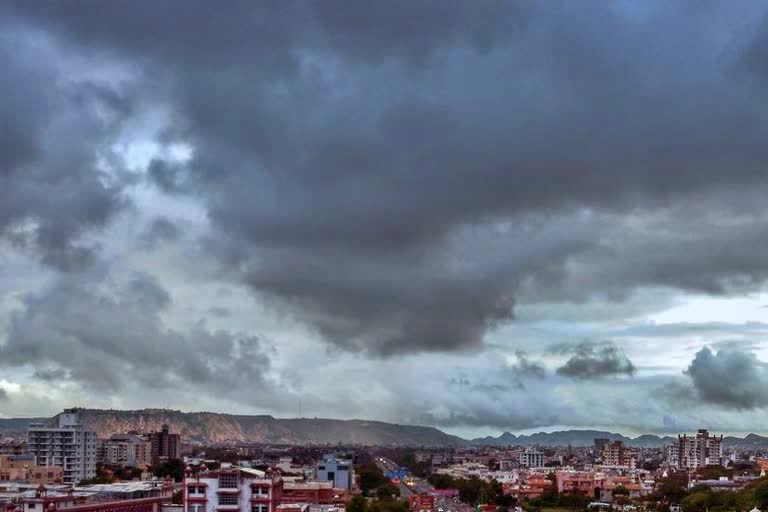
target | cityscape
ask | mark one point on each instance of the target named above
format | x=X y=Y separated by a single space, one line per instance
x=384 y=256
x=62 y=464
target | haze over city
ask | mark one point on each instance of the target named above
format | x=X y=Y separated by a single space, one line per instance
x=478 y=216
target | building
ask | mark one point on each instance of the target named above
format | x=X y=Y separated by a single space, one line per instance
x=696 y=451
x=24 y=468
x=313 y=493
x=68 y=445
x=421 y=503
x=338 y=471
x=600 y=443
x=232 y=490
x=616 y=454
x=129 y=450
x=165 y=445
x=531 y=458
x=578 y=482
x=45 y=500
x=13 y=447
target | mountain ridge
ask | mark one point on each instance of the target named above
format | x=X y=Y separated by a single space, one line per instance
x=210 y=428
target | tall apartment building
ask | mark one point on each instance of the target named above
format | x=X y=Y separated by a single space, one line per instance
x=338 y=471
x=600 y=443
x=616 y=454
x=232 y=490
x=696 y=451
x=165 y=445
x=531 y=458
x=67 y=445
x=128 y=450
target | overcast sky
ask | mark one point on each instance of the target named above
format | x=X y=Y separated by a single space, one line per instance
x=482 y=216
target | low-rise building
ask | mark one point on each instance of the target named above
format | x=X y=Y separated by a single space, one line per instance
x=232 y=490
x=336 y=470
x=24 y=468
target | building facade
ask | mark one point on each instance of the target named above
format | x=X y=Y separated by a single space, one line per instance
x=128 y=450
x=696 y=451
x=232 y=490
x=616 y=454
x=338 y=471
x=68 y=446
x=13 y=447
x=165 y=445
x=23 y=468
x=531 y=458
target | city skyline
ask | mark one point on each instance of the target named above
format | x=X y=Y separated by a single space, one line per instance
x=482 y=217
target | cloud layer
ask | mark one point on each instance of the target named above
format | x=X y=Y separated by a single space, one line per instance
x=378 y=183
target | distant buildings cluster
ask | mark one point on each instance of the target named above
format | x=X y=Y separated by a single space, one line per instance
x=75 y=451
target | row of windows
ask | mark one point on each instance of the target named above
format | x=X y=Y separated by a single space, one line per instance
x=228 y=499
x=196 y=507
x=228 y=481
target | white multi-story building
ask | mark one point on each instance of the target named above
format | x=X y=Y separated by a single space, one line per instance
x=531 y=458
x=338 y=471
x=696 y=451
x=68 y=445
x=232 y=490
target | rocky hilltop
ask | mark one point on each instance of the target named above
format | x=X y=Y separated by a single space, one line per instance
x=216 y=428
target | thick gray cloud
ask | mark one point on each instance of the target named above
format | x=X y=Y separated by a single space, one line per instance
x=344 y=152
x=160 y=230
x=396 y=178
x=109 y=334
x=525 y=367
x=729 y=378
x=593 y=360
x=56 y=129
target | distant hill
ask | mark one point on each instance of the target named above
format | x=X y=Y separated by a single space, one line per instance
x=215 y=428
x=582 y=438
x=576 y=438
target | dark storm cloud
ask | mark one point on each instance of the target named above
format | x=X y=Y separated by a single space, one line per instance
x=160 y=230
x=594 y=360
x=107 y=335
x=55 y=130
x=394 y=175
x=729 y=378
x=525 y=367
x=165 y=175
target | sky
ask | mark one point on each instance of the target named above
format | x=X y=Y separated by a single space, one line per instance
x=481 y=216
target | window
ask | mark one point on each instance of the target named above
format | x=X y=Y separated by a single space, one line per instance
x=259 y=508
x=195 y=508
x=228 y=481
x=342 y=468
x=228 y=499
x=261 y=491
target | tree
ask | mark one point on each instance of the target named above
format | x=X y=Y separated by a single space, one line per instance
x=173 y=468
x=442 y=481
x=620 y=490
x=357 y=504
x=760 y=493
x=387 y=492
x=371 y=477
